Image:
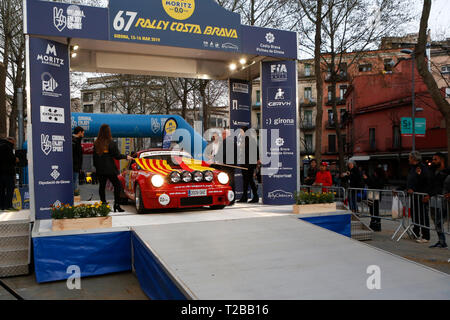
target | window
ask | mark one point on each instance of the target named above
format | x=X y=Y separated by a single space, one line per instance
x=88 y=97
x=344 y=142
x=308 y=142
x=388 y=65
x=396 y=137
x=365 y=67
x=102 y=95
x=342 y=114
x=114 y=106
x=102 y=107
x=342 y=91
x=307 y=70
x=445 y=69
x=258 y=96
x=343 y=69
x=88 y=108
x=330 y=117
x=308 y=117
x=330 y=89
x=447 y=92
x=372 y=139
x=308 y=93
x=332 y=143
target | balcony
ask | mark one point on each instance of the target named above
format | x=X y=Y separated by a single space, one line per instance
x=304 y=75
x=339 y=102
x=307 y=125
x=341 y=77
x=307 y=103
x=330 y=124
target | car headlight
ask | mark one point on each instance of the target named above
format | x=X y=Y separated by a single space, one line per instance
x=175 y=177
x=186 y=176
x=197 y=176
x=209 y=176
x=223 y=178
x=157 y=180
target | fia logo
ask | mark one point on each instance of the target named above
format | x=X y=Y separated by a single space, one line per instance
x=278 y=72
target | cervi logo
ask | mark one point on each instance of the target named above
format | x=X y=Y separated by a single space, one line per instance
x=279 y=97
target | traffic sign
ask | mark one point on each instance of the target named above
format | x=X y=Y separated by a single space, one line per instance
x=406 y=127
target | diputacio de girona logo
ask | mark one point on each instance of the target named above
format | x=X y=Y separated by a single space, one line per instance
x=179 y=9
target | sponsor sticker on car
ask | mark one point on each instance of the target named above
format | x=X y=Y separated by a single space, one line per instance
x=197 y=193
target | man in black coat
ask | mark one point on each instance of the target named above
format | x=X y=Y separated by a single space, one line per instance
x=77 y=155
x=248 y=154
x=418 y=181
x=8 y=161
x=438 y=207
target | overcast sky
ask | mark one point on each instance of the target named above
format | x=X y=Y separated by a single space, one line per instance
x=439 y=21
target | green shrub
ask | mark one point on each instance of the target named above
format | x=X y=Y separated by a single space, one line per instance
x=80 y=211
x=303 y=197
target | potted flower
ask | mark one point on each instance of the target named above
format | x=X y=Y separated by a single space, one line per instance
x=314 y=202
x=83 y=216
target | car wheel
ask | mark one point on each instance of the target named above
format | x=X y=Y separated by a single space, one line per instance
x=217 y=207
x=139 y=203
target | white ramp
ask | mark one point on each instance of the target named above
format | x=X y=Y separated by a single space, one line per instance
x=282 y=258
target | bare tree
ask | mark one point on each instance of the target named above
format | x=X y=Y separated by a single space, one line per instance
x=435 y=92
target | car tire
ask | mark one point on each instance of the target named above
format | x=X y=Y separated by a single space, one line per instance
x=217 y=207
x=138 y=200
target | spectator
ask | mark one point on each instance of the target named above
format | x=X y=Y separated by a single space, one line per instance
x=418 y=181
x=376 y=181
x=312 y=172
x=77 y=156
x=105 y=151
x=323 y=177
x=439 y=175
x=8 y=162
x=353 y=180
x=247 y=146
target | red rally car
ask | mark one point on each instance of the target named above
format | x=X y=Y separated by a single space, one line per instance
x=158 y=179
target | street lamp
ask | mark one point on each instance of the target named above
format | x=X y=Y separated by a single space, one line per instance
x=410 y=52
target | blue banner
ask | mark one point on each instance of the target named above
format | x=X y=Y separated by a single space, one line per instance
x=269 y=42
x=279 y=119
x=66 y=20
x=50 y=119
x=240 y=103
x=198 y=24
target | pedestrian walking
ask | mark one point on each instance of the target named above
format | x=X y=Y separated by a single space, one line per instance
x=77 y=156
x=105 y=151
x=8 y=162
x=438 y=206
x=418 y=181
x=375 y=181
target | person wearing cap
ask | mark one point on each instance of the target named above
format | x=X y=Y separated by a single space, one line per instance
x=323 y=177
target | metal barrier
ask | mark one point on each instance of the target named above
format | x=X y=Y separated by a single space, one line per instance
x=379 y=205
x=339 y=192
x=426 y=214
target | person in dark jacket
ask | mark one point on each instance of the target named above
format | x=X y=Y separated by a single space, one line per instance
x=312 y=172
x=105 y=151
x=8 y=161
x=376 y=181
x=352 y=179
x=439 y=175
x=248 y=156
x=77 y=156
x=226 y=158
x=418 y=181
